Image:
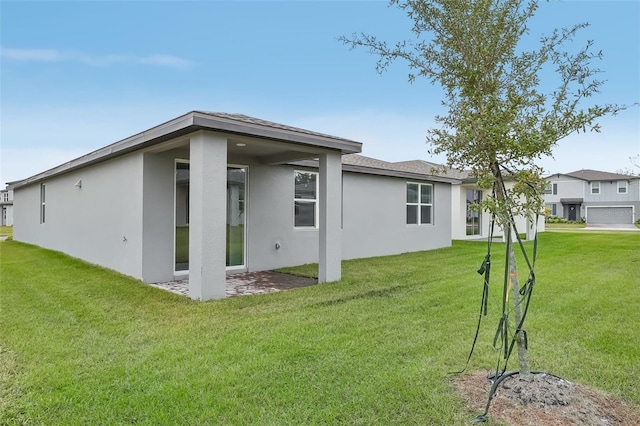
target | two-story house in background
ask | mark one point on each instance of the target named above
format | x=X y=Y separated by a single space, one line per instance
x=598 y=197
x=6 y=207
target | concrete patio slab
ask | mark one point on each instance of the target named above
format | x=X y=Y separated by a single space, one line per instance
x=247 y=284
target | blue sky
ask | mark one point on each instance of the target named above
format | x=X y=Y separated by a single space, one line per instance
x=76 y=76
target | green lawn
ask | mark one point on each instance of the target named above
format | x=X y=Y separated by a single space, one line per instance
x=235 y=244
x=83 y=345
x=573 y=225
x=6 y=231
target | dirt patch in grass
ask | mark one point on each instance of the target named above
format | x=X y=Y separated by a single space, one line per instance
x=546 y=401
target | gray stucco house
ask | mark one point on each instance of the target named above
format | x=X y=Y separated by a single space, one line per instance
x=598 y=197
x=208 y=194
x=466 y=222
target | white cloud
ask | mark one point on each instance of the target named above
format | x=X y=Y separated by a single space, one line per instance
x=166 y=61
x=43 y=55
x=53 y=55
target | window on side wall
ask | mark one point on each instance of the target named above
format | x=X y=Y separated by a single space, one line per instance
x=595 y=187
x=622 y=187
x=43 y=199
x=419 y=203
x=305 y=200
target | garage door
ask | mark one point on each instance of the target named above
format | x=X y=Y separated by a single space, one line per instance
x=610 y=215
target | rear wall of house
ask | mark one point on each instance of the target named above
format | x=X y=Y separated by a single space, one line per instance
x=94 y=213
x=373 y=219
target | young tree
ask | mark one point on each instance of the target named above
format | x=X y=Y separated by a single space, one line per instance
x=501 y=116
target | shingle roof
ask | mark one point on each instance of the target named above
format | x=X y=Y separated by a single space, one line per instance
x=265 y=123
x=424 y=170
x=428 y=167
x=595 y=175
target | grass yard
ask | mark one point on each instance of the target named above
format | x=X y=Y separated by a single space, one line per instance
x=235 y=245
x=6 y=231
x=83 y=345
x=573 y=225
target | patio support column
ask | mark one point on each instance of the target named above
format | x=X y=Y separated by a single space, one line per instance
x=330 y=241
x=207 y=216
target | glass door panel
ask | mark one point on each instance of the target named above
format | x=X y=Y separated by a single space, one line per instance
x=181 y=214
x=236 y=192
x=235 y=226
x=473 y=213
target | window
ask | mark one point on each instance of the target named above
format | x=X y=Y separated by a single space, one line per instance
x=305 y=200
x=547 y=188
x=555 y=189
x=419 y=203
x=5 y=197
x=595 y=187
x=474 y=216
x=622 y=187
x=42 y=202
x=554 y=211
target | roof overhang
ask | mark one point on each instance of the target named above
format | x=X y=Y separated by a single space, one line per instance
x=197 y=121
x=571 y=200
x=381 y=172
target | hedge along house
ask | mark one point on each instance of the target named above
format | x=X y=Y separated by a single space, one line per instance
x=207 y=194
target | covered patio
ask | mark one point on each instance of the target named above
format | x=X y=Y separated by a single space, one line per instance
x=221 y=186
x=246 y=284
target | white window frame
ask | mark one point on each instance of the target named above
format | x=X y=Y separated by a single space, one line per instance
x=625 y=186
x=306 y=200
x=595 y=188
x=419 y=204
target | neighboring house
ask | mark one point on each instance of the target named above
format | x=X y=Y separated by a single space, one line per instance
x=466 y=221
x=207 y=194
x=6 y=204
x=595 y=196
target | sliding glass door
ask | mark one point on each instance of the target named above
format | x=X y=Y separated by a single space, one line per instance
x=236 y=191
x=235 y=223
x=474 y=214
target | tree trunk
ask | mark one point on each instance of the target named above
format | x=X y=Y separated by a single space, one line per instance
x=504 y=217
x=523 y=352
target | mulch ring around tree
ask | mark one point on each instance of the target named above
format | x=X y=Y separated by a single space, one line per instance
x=546 y=401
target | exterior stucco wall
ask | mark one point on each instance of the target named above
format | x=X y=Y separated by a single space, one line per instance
x=158 y=217
x=270 y=221
x=100 y=222
x=609 y=193
x=568 y=187
x=375 y=217
x=459 y=218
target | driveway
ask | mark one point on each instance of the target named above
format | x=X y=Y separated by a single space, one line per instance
x=612 y=227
